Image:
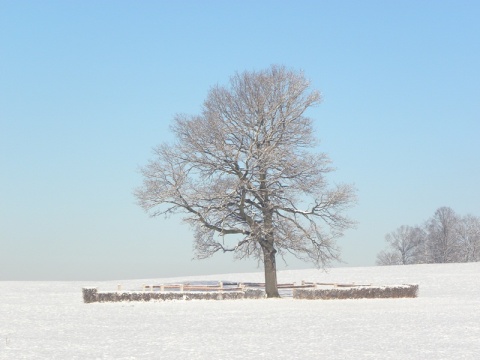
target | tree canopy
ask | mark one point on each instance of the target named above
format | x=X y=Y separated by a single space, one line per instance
x=247 y=177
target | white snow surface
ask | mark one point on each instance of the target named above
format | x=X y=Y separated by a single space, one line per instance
x=48 y=320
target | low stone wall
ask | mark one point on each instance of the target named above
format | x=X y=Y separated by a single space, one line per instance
x=91 y=295
x=361 y=292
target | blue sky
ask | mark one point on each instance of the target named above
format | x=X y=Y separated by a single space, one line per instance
x=88 y=88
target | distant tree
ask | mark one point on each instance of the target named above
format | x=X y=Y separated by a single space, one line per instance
x=246 y=176
x=385 y=257
x=441 y=242
x=406 y=242
x=468 y=233
x=445 y=237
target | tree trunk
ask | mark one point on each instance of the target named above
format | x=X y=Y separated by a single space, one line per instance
x=270 y=267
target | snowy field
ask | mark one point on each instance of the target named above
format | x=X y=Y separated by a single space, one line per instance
x=48 y=320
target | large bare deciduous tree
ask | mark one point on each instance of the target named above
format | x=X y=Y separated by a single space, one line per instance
x=247 y=176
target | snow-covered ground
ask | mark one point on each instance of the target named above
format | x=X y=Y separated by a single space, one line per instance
x=48 y=320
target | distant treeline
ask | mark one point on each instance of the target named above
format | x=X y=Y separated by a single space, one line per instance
x=444 y=238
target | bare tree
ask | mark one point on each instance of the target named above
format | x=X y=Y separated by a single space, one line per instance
x=385 y=257
x=445 y=237
x=406 y=242
x=246 y=176
x=442 y=242
x=468 y=233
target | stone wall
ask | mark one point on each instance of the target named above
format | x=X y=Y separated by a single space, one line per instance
x=360 y=292
x=91 y=295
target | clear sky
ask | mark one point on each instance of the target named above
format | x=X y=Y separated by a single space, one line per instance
x=87 y=88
